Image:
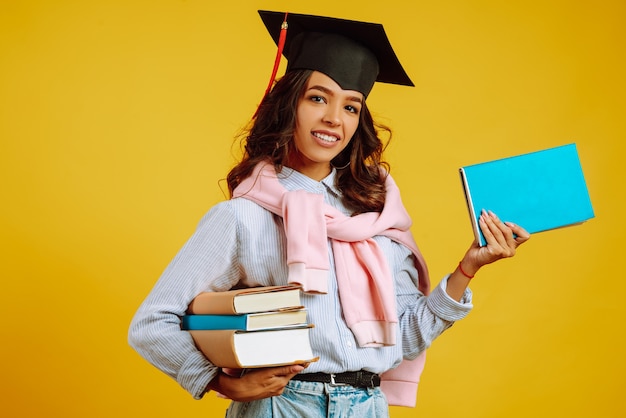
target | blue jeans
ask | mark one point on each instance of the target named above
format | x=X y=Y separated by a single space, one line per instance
x=315 y=400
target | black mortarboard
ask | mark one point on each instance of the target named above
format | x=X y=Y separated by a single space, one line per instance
x=354 y=54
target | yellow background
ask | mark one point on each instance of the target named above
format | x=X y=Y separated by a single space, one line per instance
x=117 y=120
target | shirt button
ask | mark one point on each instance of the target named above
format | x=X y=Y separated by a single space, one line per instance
x=349 y=343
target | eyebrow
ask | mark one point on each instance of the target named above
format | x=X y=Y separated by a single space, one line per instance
x=330 y=92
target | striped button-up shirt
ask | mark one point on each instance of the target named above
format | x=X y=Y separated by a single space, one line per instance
x=238 y=242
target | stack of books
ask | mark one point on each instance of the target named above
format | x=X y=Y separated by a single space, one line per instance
x=252 y=327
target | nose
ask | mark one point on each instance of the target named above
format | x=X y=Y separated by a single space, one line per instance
x=332 y=115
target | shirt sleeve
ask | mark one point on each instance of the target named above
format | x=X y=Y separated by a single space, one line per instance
x=422 y=318
x=207 y=261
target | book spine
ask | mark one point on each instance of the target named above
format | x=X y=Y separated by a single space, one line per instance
x=218 y=347
x=217 y=303
x=215 y=322
x=473 y=212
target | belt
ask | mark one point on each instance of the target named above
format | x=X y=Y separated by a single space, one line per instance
x=360 y=379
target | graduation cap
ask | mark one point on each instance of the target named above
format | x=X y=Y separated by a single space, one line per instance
x=354 y=54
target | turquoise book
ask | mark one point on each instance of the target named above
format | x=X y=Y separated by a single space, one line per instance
x=540 y=191
x=246 y=322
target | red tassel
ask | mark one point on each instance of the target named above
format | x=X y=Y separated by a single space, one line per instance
x=279 y=53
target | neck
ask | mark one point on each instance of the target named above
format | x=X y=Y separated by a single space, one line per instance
x=316 y=171
x=317 y=174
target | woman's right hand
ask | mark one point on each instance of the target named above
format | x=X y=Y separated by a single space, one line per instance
x=255 y=384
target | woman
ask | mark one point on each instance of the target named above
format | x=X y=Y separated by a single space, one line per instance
x=314 y=149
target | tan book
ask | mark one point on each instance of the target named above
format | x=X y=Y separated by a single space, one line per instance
x=247 y=300
x=252 y=349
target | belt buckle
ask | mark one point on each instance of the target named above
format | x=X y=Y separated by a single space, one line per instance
x=334 y=383
x=374 y=381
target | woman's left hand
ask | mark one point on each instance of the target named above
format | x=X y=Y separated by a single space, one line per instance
x=502 y=238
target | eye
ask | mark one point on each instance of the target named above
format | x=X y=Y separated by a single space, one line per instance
x=352 y=109
x=317 y=99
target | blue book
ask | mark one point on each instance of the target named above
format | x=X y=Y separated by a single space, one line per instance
x=539 y=191
x=246 y=322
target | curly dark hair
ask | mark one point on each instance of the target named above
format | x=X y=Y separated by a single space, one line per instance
x=269 y=137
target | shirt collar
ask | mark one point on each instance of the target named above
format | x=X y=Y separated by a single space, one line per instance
x=294 y=180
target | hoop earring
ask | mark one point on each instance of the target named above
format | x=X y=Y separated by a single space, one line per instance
x=340 y=168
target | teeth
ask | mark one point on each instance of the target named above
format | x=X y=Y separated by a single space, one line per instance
x=325 y=137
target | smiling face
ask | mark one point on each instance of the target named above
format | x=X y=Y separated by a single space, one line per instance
x=326 y=119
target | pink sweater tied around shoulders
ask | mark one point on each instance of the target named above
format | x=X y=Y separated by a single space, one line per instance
x=364 y=280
